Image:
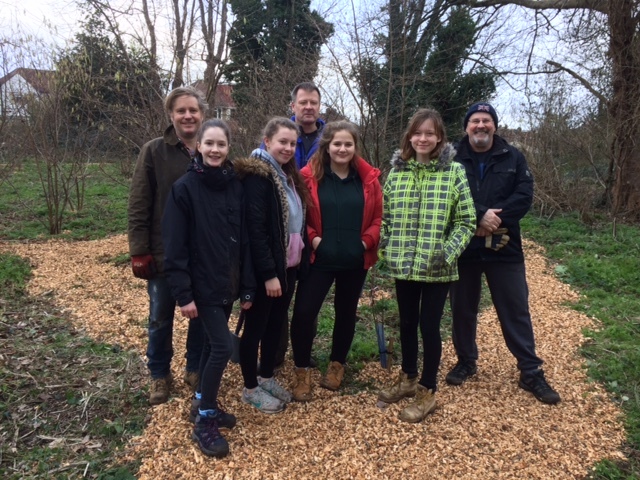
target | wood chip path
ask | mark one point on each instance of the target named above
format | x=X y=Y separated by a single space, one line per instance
x=486 y=429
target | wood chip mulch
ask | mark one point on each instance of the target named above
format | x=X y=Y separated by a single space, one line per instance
x=487 y=428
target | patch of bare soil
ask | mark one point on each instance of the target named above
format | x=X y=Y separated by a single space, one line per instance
x=487 y=428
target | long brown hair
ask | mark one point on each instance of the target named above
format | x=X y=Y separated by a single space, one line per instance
x=321 y=159
x=290 y=168
x=421 y=116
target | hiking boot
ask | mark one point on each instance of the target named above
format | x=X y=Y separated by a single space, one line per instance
x=333 y=378
x=462 y=370
x=274 y=389
x=424 y=404
x=159 y=390
x=403 y=387
x=537 y=384
x=192 y=379
x=224 y=419
x=208 y=437
x=302 y=385
x=262 y=400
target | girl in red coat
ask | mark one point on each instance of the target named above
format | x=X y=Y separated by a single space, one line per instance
x=343 y=225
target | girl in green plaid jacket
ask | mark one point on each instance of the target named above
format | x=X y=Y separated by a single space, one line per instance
x=428 y=219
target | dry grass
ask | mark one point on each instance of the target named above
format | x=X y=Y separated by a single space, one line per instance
x=488 y=428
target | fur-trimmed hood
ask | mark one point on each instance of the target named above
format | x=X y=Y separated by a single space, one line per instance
x=443 y=161
x=252 y=166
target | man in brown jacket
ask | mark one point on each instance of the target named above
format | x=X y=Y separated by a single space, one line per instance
x=160 y=163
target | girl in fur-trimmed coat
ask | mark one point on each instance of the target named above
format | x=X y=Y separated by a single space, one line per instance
x=275 y=202
x=428 y=219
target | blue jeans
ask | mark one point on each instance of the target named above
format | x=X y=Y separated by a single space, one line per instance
x=160 y=347
x=216 y=353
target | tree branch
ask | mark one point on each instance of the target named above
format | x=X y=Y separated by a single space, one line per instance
x=597 y=5
x=580 y=78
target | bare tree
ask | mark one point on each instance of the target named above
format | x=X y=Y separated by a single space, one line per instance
x=213 y=22
x=621 y=18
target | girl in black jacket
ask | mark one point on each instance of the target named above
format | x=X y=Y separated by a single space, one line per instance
x=275 y=208
x=208 y=265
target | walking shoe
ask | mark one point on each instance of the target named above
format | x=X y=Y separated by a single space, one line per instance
x=192 y=379
x=208 y=437
x=224 y=419
x=262 y=400
x=403 y=387
x=274 y=389
x=333 y=378
x=537 y=384
x=159 y=390
x=302 y=385
x=424 y=404
x=462 y=370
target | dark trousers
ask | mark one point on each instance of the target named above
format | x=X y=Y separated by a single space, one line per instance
x=510 y=295
x=215 y=354
x=160 y=347
x=263 y=326
x=311 y=293
x=421 y=303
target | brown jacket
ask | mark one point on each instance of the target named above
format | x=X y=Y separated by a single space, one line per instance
x=161 y=162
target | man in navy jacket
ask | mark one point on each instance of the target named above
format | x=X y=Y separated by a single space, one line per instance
x=502 y=189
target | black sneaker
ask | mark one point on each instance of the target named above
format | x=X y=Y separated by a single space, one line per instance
x=208 y=437
x=225 y=420
x=461 y=372
x=537 y=384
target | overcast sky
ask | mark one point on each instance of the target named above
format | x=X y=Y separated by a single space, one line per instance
x=56 y=21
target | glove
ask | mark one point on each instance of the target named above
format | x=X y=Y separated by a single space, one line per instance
x=497 y=240
x=143 y=266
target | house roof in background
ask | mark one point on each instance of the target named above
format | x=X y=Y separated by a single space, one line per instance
x=223 y=97
x=38 y=79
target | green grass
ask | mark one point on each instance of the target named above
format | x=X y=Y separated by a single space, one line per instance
x=68 y=404
x=606 y=270
x=23 y=211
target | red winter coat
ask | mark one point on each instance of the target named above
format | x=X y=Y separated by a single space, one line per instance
x=372 y=213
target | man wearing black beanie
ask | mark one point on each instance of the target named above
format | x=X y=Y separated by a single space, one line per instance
x=502 y=189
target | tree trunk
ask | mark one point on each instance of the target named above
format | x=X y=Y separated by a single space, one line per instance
x=625 y=191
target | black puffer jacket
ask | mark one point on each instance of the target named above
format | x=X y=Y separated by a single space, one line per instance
x=207 y=253
x=267 y=214
x=507 y=184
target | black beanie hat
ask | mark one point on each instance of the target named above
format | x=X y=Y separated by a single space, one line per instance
x=483 y=107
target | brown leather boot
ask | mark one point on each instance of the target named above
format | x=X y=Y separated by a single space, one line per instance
x=302 y=385
x=424 y=404
x=192 y=379
x=159 y=390
x=402 y=388
x=333 y=378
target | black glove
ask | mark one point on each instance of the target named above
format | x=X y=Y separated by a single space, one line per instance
x=143 y=266
x=497 y=239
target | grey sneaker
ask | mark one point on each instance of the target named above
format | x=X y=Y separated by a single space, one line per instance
x=262 y=400
x=274 y=389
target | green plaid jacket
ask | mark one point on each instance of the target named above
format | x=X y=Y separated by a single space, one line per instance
x=428 y=218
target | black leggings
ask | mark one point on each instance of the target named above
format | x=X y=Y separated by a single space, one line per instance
x=421 y=303
x=215 y=353
x=262 y=326
x=311 y=293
